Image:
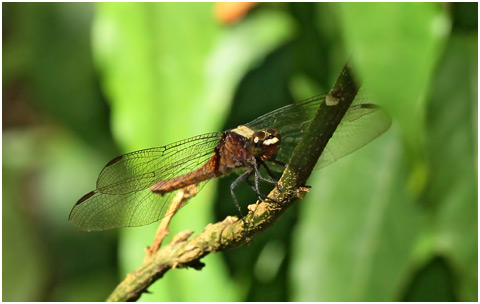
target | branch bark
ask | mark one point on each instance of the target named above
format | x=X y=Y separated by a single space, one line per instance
x=183 y=252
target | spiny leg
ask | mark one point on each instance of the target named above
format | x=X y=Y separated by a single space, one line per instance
x=270 y=172
x=255 y=187
x=256 y=166
x=277 y=162
x=259 y=194
x=240 y=179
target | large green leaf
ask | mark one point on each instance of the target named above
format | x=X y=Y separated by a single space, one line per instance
x=395 y=47
x=153 y=58
x=452 y=141
x=367 y=250
x=358 y=228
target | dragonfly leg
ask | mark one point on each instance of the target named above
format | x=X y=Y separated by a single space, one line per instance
x=234 y=185
x=255 y=187
x=270 y=172
x=256 y=190
x=281 y=164
x=260 y=195
x=271 y=179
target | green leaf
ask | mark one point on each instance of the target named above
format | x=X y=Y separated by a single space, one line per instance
x=452 y=148
x=395 y=47
x=357 y=229
x=153 y=58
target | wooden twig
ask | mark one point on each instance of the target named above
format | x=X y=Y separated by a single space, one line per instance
x=183 y=252
x=180 y=199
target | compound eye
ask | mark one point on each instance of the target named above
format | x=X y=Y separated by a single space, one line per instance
x=257 y=142
x=272 y=133
x=272 y=137
x=258 y=138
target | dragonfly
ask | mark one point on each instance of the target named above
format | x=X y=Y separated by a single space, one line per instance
x=135 y=189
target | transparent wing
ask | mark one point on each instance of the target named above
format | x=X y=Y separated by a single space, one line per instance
x=141 y=169
x=107 y=211
x=362 y=123
x=291 y=118
x=123 y=197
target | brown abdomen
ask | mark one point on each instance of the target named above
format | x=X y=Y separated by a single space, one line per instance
x=207 y=171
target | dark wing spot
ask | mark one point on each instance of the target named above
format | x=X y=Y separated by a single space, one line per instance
x=84 y=198
x=116 y=159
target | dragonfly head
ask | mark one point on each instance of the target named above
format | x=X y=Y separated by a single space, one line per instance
x=265 y=144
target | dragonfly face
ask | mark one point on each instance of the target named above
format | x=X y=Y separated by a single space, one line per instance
x=265 y=144
x=135 y=189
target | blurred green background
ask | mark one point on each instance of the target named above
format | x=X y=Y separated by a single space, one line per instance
x=395 y=221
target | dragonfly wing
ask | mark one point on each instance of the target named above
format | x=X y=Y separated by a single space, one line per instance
x=123 y=197
x=362 y=123
x=291 y=122
x=289 y=118
x=139 y=170
x=100 y=211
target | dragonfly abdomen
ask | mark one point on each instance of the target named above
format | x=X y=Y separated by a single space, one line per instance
x=207 y=171
x=230 y=153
